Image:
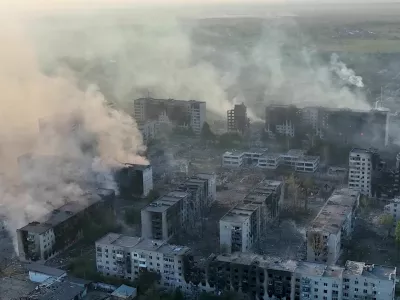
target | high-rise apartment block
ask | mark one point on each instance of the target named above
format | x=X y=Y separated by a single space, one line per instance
x=363 y=164
x=344 y=126
x=178 y=113
x=333 y=225
x=237 y=119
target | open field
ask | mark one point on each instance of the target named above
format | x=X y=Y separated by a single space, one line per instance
x=361 y=46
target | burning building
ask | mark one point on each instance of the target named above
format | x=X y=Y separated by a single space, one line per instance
x=134 y=180
x=43 y=238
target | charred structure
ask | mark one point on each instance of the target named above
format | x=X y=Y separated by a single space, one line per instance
x=134 y=180
x=237 y=119
x=41 y=239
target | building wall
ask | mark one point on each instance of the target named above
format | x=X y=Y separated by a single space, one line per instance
x=323 y=247
x=357 y=287
x=360 y=172
x=232 y=160
x=147 y=180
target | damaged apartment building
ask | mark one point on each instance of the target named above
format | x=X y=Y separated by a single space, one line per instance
x=266 y=278
x=237 y=120
x=332 y=226
x=343 y=126
x=127 y=257
x=179 y=210
x=241 y=228
x=169 y=112
x=134 y=179
x=41 y=239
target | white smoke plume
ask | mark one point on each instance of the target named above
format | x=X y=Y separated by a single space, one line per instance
x=344 y=73
x=58 y=141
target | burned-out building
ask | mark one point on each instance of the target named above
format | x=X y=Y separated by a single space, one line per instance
x=332 y=226
x=177 y=113
x=237 y=120
x=164 y=217
x=265 y=278
x=41 y=239
x=134 y=180
x=342 y=126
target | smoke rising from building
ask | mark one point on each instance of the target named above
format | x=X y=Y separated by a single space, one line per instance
x=57 y=140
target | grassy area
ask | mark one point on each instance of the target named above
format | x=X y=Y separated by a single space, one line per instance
x=361 y=45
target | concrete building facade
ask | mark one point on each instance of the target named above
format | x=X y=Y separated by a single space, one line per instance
x=40 y=240
x=232 y=159
x=333 y=225
x=164 y=217
x=239 y=228
x=126 y=257
x=134 y=179
x=178 y=113
x=237 y=120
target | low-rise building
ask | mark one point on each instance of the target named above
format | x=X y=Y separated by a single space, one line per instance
x=124 y=292
x=164 y=217
x=239 y=228
x=269 y=161
x=232 y=159
x=126 y=257
x=40 y=273
x=333 y=224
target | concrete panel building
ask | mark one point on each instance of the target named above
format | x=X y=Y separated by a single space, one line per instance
x=126 y=257
x=178 y=113
x=237 y=120
x=239 y=228
x=41 y=239
x=134 y=180
x=233 y=159
x=164 y=217
x=333 y=224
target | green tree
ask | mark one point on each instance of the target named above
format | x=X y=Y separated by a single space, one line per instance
x=386 y=221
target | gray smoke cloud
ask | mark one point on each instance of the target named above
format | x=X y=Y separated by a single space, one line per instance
x=344 y=73
x=58 y=141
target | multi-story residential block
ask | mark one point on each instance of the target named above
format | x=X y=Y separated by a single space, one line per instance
x=186 y=114
x=239 y=228
x=233 y=159
x=149 y=130
x=134 y=179
x=164 y=217
x=266 y=278
x=41 y=239
x=212 y=185
x=363 y=167
x=363 y=281
x=237 y=120
x=393 y=209
x=127 y=257
x=344 y=126
x=333 y=225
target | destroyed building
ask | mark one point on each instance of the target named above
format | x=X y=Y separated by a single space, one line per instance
x=164 y=217
x=237 y=120
x=134 y=180
x=177 y=113
x=265 y=277
x=241 y=228
x=332 y=226
x=342 y=126
x=43 y=238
